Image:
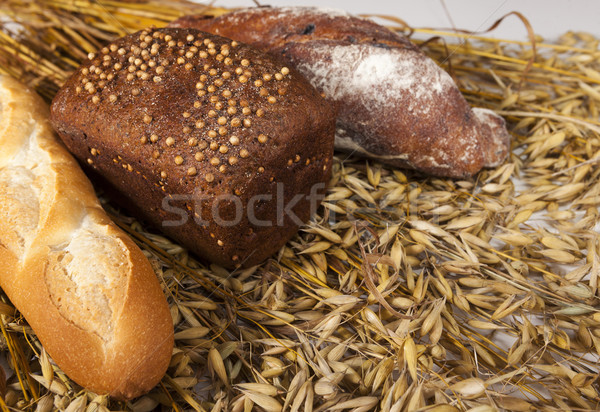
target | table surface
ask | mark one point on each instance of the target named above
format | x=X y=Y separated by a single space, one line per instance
x=549 y=18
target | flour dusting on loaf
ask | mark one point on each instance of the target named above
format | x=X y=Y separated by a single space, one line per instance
x=308 y=12
x=286 y=12
x=376 y=74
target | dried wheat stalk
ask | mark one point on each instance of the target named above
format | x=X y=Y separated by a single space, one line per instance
x=404 y=292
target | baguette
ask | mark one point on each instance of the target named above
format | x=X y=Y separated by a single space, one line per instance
x=84 y=287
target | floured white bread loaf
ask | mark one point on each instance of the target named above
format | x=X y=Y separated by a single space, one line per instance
x=85 y=288
x=394 y=103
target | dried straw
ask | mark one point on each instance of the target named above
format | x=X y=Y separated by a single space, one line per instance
x=404 y=292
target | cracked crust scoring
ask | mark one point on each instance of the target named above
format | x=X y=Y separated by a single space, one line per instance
x=84 y=287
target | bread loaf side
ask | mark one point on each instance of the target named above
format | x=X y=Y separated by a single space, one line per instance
x=84 y=287
x=219 y=145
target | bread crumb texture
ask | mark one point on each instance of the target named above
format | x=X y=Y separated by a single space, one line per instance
x=21 y=183
x=20 y=205
x=89 y=292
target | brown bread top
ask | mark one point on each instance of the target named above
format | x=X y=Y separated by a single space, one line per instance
x=395 y=104
x=214 y=142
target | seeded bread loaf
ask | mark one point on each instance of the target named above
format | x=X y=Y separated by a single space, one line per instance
x=395 y=104
x=85 y=288
x=221 y=146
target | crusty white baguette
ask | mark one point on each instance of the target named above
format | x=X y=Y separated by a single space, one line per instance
x=85 y=288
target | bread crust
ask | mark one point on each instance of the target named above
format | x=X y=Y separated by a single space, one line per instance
x=207 y=139
x=124 y=353
x=395 y=104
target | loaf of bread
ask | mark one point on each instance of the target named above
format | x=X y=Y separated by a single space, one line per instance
x=395 y=104
x=219 y=145
x=85 y=288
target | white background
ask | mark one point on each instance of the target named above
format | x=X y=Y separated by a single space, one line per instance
x=549 y=18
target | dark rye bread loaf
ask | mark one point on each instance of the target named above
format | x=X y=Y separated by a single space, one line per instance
x=219 y=145
x=395 y=104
